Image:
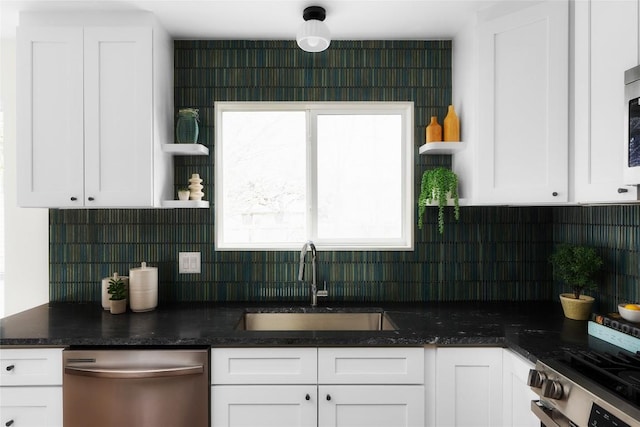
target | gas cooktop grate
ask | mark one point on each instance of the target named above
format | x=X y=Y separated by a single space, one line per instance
x=618 y=372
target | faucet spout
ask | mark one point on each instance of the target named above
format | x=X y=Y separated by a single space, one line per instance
x=309 y=246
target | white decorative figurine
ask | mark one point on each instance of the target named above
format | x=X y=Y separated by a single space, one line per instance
x=195 y=187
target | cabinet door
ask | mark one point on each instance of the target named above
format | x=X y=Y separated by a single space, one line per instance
x=31 y=406
x=371 y=406
x=523 y=115
x=469 y=387
x=118 y=116
x=606 y=44
x=50 y=117
x=264 y=406
x=516 y=392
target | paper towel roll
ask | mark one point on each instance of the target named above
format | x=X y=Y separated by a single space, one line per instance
x=105 y=287
x=143 y=288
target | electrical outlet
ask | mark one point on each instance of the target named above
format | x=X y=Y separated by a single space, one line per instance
x=189 y=262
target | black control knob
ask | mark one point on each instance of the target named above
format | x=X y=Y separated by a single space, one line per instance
x=623 y=190
x=554 y=194
x=536 y=378
x=307 y=397
x=73 y=199
x=552 y=389
x=91 y=199
x=9 y=423
x=328 y=397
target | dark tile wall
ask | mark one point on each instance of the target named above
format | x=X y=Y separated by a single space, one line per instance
x=615 y=233
x=493 y=253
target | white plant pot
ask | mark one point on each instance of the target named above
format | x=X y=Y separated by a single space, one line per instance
x=118 y=306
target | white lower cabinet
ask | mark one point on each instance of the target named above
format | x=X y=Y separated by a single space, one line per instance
x=31 y=406
x=348 y=387
x=264 y=405
x=478 y=387
x=31 y=387
x=469 y=387
x=516 y=392
x=371 y=406
x=365 y=386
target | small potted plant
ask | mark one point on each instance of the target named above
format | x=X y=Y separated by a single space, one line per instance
x=183 y=193
x=438 y=185
x=118 y=292
x=576 y=265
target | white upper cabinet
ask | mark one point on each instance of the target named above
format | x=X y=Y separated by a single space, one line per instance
x=95 y=108
x=606 y=44
x=523 y=116
x=50 y=116
x=518 y=150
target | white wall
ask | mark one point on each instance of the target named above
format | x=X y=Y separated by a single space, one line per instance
x=26 y=230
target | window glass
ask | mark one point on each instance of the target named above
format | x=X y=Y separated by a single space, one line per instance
x=263 y=177
x=339 y=174
x=359 y=176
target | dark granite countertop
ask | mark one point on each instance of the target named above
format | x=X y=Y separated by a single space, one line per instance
x=535 y=329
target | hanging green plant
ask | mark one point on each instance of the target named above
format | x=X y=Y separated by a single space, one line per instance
x=438 y=185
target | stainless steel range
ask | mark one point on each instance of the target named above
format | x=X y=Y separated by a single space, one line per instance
x=588 y=389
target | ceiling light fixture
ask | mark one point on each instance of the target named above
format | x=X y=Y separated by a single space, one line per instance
x=313 y=35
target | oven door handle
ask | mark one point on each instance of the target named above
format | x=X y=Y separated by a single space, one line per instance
x=543 y=414
x=134 y=373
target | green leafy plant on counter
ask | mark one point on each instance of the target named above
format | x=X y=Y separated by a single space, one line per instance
x=117 y=289
x=576 y=265
x=439 y=185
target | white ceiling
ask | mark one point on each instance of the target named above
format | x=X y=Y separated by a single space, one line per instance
x=279 y=19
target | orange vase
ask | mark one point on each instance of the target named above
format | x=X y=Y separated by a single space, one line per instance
x=451 y=126
x=434 y=130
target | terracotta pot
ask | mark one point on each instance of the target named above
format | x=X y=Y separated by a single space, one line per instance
x=576 y=309
x=118 y=306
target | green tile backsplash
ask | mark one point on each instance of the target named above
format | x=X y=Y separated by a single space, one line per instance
x=493 y=253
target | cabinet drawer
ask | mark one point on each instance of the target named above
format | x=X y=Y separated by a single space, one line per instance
x=264 y=365
x=31 y=406
x=371 y=365
x=38 y=366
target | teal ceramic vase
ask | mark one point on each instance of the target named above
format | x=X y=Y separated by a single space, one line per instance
x=187 y=129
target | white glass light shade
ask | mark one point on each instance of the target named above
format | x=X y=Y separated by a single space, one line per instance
x=313 y=36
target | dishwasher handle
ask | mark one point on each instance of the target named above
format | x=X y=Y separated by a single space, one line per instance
x=134 y=373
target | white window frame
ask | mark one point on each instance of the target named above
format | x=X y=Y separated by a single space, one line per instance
x=313 y=109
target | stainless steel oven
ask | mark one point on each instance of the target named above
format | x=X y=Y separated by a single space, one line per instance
x=587 y=389
x=137 y=388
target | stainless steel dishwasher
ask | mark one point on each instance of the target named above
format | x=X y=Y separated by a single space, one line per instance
x=136 y=388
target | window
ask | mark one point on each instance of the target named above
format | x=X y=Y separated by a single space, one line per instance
x=337 y=173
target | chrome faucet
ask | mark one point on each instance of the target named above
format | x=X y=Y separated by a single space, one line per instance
x=314 y=279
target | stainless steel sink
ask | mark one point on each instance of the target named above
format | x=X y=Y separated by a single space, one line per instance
x=323 y=321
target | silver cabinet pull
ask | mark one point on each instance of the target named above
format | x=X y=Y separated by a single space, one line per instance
x=134 y=373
